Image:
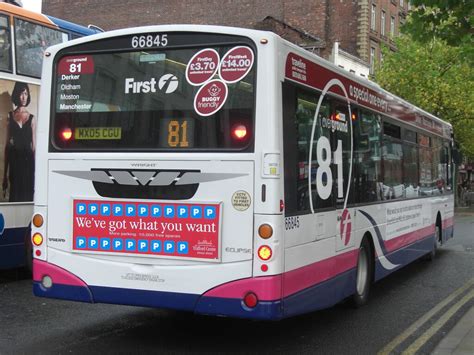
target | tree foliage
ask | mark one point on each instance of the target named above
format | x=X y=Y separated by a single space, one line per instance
x=436 y=78
x=448 y=20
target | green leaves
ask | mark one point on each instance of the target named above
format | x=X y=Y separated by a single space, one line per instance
x=448 y=20
x=435 y=77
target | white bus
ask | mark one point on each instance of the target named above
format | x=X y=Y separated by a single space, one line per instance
x=24 y=36
x=226 y=171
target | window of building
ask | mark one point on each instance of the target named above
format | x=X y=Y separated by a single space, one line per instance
x=372 y=59
x=373 y=17
x=392 y=26
x=382 y=23
x=401 y=3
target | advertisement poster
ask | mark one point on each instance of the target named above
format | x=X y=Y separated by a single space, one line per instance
x=177 y=230
x=406 y=217
x=18 y=115
x=236 y=64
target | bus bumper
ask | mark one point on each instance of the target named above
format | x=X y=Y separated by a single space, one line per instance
x=64 y=285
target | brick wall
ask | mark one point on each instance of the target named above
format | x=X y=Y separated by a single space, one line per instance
x=330 y=20
x=114 y=14
x=342 y=24
x=305 y=15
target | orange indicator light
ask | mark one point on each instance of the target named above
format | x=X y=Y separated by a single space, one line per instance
x=37 y=220
x=265 y=231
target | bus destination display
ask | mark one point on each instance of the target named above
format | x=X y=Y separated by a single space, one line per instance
x=70 y=70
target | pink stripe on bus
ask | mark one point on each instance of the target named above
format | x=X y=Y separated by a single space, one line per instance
x=57 y=274
x=409 y=238
x=266 y=288
x=448 y=222
x=310 y=275
x=270 y=287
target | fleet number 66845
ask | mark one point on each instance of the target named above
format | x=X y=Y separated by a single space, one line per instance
x=148 y=41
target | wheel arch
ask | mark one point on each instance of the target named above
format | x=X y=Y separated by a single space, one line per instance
x=439 y=223
x=368 y=235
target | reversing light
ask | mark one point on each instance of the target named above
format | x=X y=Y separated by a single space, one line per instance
x=37 y=239
x=37 y=220
x=265 y=252
x=265 y=231
x=239 y=131
x=250 y=300
x=47 y=281
x=66 y=134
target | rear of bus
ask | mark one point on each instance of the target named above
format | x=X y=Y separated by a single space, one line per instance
x=157 y=169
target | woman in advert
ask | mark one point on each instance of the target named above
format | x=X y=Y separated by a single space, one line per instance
x=20 y=147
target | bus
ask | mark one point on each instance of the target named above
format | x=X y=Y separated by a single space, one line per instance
x=74 y=30
x=226 y=171
x=24 y=35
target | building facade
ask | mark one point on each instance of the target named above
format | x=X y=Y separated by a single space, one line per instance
x=359 y=27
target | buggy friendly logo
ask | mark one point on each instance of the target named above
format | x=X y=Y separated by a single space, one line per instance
x=168 y=83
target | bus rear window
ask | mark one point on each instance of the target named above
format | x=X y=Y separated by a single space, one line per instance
x=155 y=99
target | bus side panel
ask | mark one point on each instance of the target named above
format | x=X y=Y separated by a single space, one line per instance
x=12 y=247
x=14 y=219
x=316 y=277
x=322 y=295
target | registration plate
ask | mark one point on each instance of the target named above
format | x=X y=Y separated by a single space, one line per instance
x=98 y=133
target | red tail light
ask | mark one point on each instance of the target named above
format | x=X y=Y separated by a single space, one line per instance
x=250 y=300
x=239 y=131
x=66 y=134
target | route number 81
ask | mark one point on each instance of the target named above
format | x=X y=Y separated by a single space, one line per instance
x=323 y=154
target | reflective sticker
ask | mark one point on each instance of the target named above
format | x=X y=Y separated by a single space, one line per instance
x=210 y=98
x=202 y=66
x=241 y=200
x=236 y=64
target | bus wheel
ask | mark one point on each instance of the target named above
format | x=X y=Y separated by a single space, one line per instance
x=364 y=274
x=436 y=242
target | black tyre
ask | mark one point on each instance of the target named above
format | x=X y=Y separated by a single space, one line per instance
x=365 y=271
x=436 y=242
